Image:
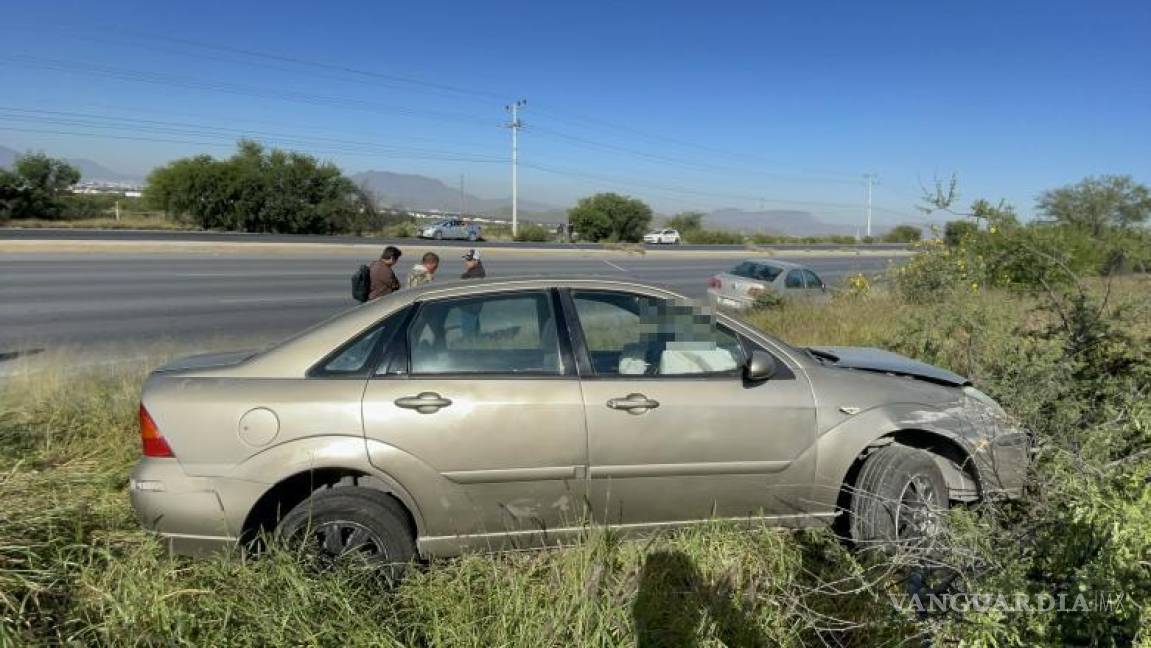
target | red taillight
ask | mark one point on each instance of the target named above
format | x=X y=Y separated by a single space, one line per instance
x=715 y=282
x=153 y=442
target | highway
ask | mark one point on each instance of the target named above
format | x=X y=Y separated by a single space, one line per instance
x=83 y=299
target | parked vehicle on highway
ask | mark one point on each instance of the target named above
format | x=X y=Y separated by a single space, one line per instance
x=479 y=416
x=749 y=280
x=662 y=237
x=452 y=229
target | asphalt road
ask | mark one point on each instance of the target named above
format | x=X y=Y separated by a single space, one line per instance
x=50 y=300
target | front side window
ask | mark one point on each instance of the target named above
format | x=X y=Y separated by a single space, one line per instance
x=812 y=279
x=493 y=334
x=634 y=335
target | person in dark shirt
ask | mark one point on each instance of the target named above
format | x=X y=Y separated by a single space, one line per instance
x=383 y=278
x=473 y=267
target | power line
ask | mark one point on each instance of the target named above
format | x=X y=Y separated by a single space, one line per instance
x=746 y=198
x=69 y=118
x=376 y=78
x=172 y=80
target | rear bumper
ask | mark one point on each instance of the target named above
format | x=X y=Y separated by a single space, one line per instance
x=725 y=301
x=189 y=513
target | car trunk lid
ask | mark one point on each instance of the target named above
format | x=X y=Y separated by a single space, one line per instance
x=206 y=361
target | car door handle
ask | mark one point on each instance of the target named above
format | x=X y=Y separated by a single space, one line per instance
x=424 y=402
x=633 y=403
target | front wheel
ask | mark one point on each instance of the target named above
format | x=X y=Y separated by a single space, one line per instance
x=899 y=498
x=339 y=524
x=473 y=237
x=438 y=235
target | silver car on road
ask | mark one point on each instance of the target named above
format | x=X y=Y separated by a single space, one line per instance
x=751 y=279
x=453 y=228
x=511 y=413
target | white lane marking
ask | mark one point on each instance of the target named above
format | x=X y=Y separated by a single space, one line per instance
x=614 y=265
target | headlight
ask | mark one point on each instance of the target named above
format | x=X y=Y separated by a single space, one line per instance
x=986 y=400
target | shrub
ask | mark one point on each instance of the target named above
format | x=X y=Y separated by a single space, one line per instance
x=610 y=217
x=957 y=231
x=258 y=190
x=711 y=237
x=903 y=234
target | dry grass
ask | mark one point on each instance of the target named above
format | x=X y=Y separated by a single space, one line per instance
x=127 y=221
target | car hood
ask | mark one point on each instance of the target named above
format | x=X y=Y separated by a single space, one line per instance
x=207 y=361
x=878 y=360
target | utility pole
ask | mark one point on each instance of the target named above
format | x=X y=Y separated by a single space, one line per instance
x=870 y=178
x=461 y=196
x=515 y=125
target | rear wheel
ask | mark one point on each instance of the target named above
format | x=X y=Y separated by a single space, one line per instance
x=345 y=524
x=473 y=237
x=899 y=498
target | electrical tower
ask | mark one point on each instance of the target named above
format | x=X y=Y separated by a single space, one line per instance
x=515 y=125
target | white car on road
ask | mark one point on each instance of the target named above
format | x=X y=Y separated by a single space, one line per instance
x=662 y=237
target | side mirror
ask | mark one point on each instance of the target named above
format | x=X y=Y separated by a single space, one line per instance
x=760 y=366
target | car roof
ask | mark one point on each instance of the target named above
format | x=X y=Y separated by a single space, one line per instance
x=456 y=286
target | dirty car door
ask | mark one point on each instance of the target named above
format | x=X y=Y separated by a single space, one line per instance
x=674 y=433
x=484 y=395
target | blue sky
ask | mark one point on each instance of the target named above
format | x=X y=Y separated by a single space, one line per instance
x=687 y=105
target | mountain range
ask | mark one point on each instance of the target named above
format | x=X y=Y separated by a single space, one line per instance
x=413 y=191
x=89 y=171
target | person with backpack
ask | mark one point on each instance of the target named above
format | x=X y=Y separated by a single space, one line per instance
x=473 y=267
x=424 y=271
x=378 y=279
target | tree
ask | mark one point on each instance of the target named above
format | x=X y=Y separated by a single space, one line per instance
x=954 y=232
x=610 y=217
x=33 y=188
x=903 y=234
x=686 y=221
x=1098 y=203
x=259 y=190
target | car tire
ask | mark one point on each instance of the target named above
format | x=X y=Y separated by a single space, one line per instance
x=473 y=237
x=352 y=520
x=898 y=498
x=438 y=235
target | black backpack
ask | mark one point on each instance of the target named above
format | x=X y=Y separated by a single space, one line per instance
x=362 y=284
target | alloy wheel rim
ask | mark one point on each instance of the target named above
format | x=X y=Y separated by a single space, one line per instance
x=339 y=539
x=916 y=516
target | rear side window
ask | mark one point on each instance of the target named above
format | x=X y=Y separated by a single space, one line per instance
x=794 y=279
x=759 y=271
x=361 y=353
x=491 y=334
x=745 y=269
